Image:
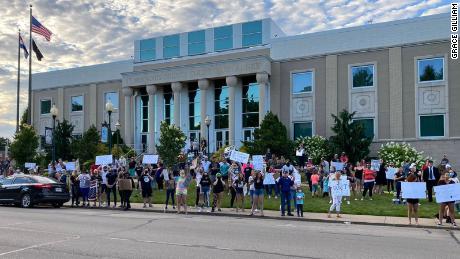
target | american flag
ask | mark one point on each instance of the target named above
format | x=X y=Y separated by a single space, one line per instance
x=38 y=28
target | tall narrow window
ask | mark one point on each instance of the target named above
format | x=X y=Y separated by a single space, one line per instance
x=168 y=105
x=194 y=107
x=250 y=104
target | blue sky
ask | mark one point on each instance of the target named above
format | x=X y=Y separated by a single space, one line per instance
x=95 y=31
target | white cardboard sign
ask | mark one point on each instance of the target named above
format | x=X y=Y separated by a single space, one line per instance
x=239 y=157
x=338 y=165
x=390 y=173
x=70 y=166
x=340 y=188
x=258 y=161
x=375 y=165
x=30 y=165
x=413 y=190
x=104 y=160
x=448 y=192
x=150 y=159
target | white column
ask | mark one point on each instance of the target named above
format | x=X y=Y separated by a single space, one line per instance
x=176 y=88
x=128 y=93
x=159 y=105
x=151 y=91
x=262 y=81
x=232 y=83
x=203 y=84
x=92 y=105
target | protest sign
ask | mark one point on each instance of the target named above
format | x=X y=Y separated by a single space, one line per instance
x=375 y=165
x=340 y=188
x=390 y=173
x=70 y=166
x=448 y=192
x=239 y=156
x=150 y=159
x=30 y=165
x=413 y=190
x=338 y=165
x=258 y=162
x=104 y=160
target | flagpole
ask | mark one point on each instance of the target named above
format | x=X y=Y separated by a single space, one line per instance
x=29 y=102
x=19 y=80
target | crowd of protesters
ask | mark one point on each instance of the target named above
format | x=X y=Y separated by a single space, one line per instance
x=280 y=179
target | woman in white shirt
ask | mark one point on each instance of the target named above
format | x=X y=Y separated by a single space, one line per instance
x=269 y=182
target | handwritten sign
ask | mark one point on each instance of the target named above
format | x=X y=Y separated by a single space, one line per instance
x=239 y=156
x=70 y=166
x=338 y=165
x=258 y=162
x=390 y=173
x=150 y=159
x=104 y=160
x=448 y=192
x=30 y=165
x=340 y=188
x=413 y=190
x=375 y=165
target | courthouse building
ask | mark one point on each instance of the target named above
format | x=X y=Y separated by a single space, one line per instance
x=397 y=76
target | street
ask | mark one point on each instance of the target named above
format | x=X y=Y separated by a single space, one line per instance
x=90 y=233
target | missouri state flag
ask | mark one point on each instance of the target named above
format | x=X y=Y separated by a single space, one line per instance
x=23 y=46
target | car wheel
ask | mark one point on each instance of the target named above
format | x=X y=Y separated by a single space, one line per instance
x=26 y=201
x=57 y=205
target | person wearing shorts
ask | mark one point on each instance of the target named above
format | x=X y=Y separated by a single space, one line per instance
x=238 y=186
x=258 y=196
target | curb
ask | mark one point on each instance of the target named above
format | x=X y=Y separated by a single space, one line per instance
x=286 y=218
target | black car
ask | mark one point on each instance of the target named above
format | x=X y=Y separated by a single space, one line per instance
x=29 y=190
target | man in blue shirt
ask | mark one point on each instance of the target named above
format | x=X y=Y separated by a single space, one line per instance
x=285 y=183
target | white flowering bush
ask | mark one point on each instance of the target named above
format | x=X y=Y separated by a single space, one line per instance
x=315 y=147
x=398 y=153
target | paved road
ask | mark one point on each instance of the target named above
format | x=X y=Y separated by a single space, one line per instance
x=82 y=233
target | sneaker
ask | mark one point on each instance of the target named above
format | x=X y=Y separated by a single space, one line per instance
x=276 y=197
x=356 y=199
x=330 y=202
x=145 y=206
x=454 y=225
x=348 y=202
x=370 y=199
x=174 y=207
x=362 y=199
x=290 y=214
x=282 y=215
x=219 y=210
x=150 y=206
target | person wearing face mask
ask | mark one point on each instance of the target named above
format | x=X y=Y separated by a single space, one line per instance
x=453 y=177
x=145 y=183
x=217 y=189
x=104 y=181
x=288 y=168
x=205 y=187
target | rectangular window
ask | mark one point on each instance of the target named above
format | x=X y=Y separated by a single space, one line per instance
x=223 y=38
x=250 y=102
x=432 y=126
x=45 y=107
x=303 y=129
x=112 y=97
x=252 y=33
x=431 y=69
x=196 y=42
x=221 y=105
x=147 y=50
x=171 y=46
x=368 y=125
x=77 y=103
x=144 y=113
x=363 y=76
x=194 y=107
x=302 y=82
x=168 y=106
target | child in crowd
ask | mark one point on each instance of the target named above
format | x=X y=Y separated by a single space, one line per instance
x=299 y=197
x=170 y=188
x=315 y=183
x=325 y=186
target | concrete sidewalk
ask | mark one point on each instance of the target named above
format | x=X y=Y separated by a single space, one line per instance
x=307 y=216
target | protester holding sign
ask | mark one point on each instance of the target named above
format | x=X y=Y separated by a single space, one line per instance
x=238 y=186
x=369 y=179
x=412 y=204
x=258 y=197
x=183 y=182
x=146 y=187
x=446 y=208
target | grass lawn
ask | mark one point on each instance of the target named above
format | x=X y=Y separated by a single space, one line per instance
x=381 y=205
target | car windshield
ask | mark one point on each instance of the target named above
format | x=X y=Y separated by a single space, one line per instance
x=41 y=179
x=7 y=180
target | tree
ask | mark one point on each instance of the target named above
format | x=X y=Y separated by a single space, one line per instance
x=62 y=140
x=86 y=148
x=25 y=144
x=315 y=146
x=349 y=137
x=172 y=140
x=271 y=134
x=24 y=116
x=116 y=138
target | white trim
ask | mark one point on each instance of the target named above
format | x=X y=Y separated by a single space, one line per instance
x=367 y=64
x=432 y=82
x=40 y=110
x=83 y=104
x=419 y=128
x=300 y=95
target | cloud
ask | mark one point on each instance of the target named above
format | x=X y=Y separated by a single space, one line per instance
x=88 y=32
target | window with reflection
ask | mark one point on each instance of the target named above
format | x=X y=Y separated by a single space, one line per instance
x=363 y=76
x=112 y=97
x=223 y=38
x=76 y=103
x=171 y=46
x=147 y=49
x=196 y=42
x=251 y=33
x=431 y=69
x=250 y=102
x=194 y=108
x=221 y=105
x=168 y=105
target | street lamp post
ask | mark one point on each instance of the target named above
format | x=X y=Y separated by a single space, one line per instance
x=207 y=121
x=54 y=113
x=117 y=125
x=109 y=109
